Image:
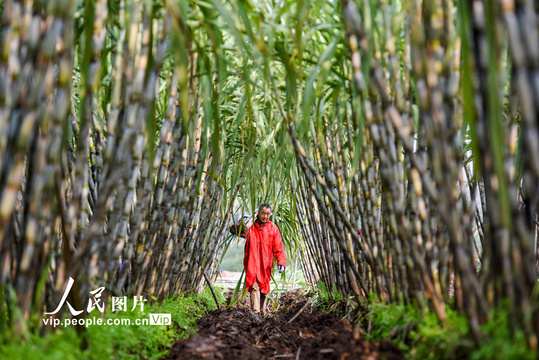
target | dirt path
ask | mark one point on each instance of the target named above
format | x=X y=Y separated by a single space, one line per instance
x=237 y=333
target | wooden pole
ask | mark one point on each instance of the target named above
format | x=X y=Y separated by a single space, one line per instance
x=212 y=291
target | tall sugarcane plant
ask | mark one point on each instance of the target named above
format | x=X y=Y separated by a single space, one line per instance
x=114 y=169
x=415 y=134
x=438 y=145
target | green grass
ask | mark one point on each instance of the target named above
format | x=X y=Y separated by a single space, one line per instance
x=420 y=335
x=115 y=342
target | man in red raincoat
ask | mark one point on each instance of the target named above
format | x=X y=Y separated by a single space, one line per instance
x=262 y=244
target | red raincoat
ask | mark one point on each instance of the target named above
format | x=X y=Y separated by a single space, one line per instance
x=261 y=245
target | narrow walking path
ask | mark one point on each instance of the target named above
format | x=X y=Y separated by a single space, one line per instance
x=238 y=333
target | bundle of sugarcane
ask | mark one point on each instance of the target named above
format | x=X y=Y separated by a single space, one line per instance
x=241 y=227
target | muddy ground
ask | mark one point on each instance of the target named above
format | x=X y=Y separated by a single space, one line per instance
x=238 y=333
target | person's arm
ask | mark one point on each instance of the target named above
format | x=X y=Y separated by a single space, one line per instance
x=246 y=252
x=278 y=248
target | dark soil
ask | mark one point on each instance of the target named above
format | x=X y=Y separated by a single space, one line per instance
x=238 y=333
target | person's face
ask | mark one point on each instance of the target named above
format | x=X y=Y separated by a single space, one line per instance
x=264 y=215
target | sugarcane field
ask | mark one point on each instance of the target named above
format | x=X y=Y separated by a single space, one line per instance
x=269 y=179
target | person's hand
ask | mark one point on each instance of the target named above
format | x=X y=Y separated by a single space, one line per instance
x=281 y=268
